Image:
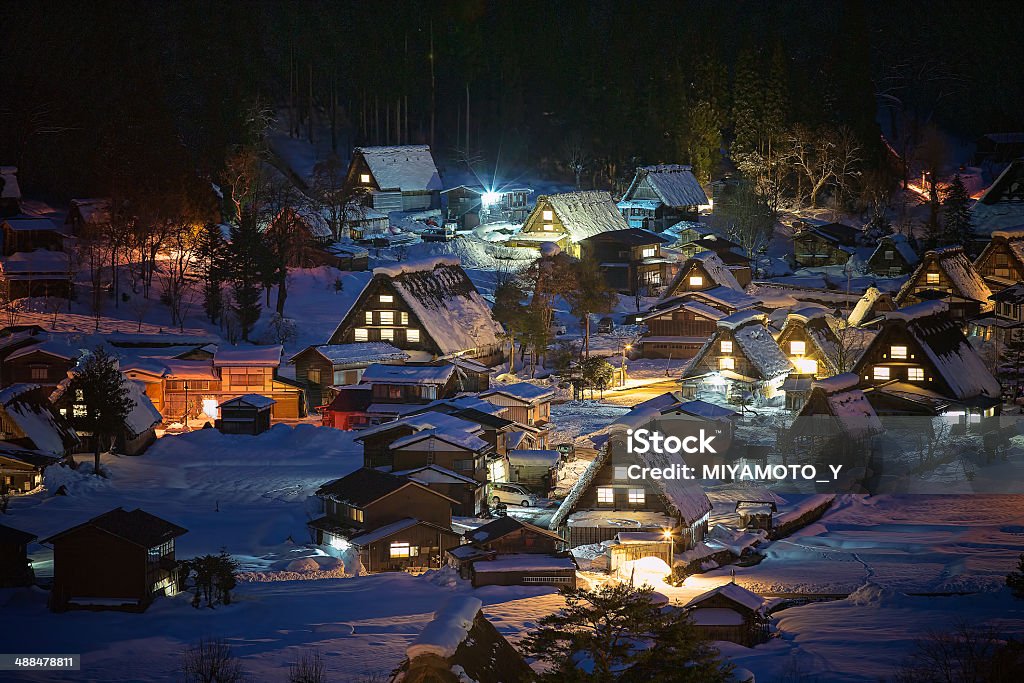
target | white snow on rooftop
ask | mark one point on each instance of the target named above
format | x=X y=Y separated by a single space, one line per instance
x=248 y=355
x=359 y=352
x=585 y=214
x=409 y=168
x=449 y=628
x=674 y=184
x=407 y=374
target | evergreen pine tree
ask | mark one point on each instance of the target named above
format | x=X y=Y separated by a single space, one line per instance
x=957 y=228
x=247 y=268
x=211 y=257
x=775 y=100
x=704 y=139
x=99 y=393
x=747 y=95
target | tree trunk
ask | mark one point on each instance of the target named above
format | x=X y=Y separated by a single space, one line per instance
x=282 y=295
x=586 y=335
x=96 y=455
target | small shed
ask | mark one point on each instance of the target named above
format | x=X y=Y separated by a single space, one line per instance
x=525 y=569
x=756 y=514
x=248 y=414
x=15 y=569
x=729 y=612
x=534 y=468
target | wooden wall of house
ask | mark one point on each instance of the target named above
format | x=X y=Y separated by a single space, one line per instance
x=18 y=475
x=998 y=261
x=470 y=497
x=605 y=477
x=93 y=563
x=36 y=368
x=557 y=577
x=535 y=222
x=684 y=285
x=741 y=364
x=433 y=452
x=798 y=333
x=369 y=300
x=681 y=323
x=432 y=544
x=375 y=446
x=810 y=249
x=14 y=567
x=878 y=353
x=410 y=501
x=314 y=389
x=887 y=260
x=524 y=541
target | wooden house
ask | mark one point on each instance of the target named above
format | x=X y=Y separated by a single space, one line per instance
x=534 y=468
x=1001 y=262
x=396 y=178
x=45 y=363
x=814 y=349
x=1006 y=321
x=246 y=414
x=508 y=535
x=253 y=370
x=473 y=205
x=306 y=230
x=525 y=570
x=998 y=148
x=37 y=273
x=510 y=552
x=27 y=420
x=363 y=222
x=836 y=420
x=119 y=560
x=29 y=233
x=894 y=256
x=496 y=428
x=742 y=356
x=10 y=192
x=678 y=327
x=345 y=256
x=630 y=260
x=729 y=612
x=1001 y=206
x=15 y=567
x=702 y=271
x=527 y=403
x=920 y=356
x=567 y=219
x=870 y=307
x=393 y=522
x=140 y=424
x=397 y=389
x=347 y=406
x=21 y=469
x=456 y=450
x=88 y=217
x=428 y=308
x=605 y=499
x=756 y=514
x=662 y=195
x=460 y=487
x=325 y=365
x=816 y=243
x=948 y=275
x=458 y=645
x=728 y=251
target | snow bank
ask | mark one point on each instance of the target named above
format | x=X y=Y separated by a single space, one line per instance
x=450 y=626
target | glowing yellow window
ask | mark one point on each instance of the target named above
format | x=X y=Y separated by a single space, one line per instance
x=636 y=497
x=931 y=278
x=726 y=347
x=387 y=334
x=548 y=215
x=412 y=335
x=387 y=317
x=399 y=549
x=898 y=352
x=797 y=348
x=806 y=366
x=386 y=299
x=915 y=374
x=726 y=363
x=696 y=281
x=548 y=227
x=405 y=318
x=364 y=177
x=881 y=372
x=361 y=334
x=369 y=317
x=606 y=495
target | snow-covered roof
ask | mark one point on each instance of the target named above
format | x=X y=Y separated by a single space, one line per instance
x=535 y=458
x=943 y=342
x=93 y=211
x=409 y=168
x=725 y=296
x=407 y=374
x=51 y=347
x=520 y=562
x=448 y=629
x=846 y=403
x=258 y=356
x=695 y=307
x=900 y=242
x=709 y=411
x=674 y=184
x=27 y=223
x=252 y=400
x=457 y=438
x=713 y=265
x=448 y=306
x=423 y=421
x=817 y=328
x=584 y=214
x=143 y=415
x=383 y=532
x=9 y=183
x=865 y=308
x=524 y=391
x=358 y=353
x=190 y=369
x=435 y=474
x=424 y=264
x=35 y=262
x=35 y=418
x=733 y=592
x=960 y=270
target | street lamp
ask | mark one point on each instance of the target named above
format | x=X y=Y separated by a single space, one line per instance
x=672 y=549
x=622 y=374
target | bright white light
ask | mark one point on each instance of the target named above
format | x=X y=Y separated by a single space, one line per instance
x=339 y=543
x=490 y=198
x=210 y=407
x=806 y=366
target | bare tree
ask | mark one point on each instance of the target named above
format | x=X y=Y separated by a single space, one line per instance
x=576 y=156
x=309 y=668
x=966 y=654
x=211 y=661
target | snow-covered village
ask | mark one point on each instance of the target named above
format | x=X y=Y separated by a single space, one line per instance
x=482 y=342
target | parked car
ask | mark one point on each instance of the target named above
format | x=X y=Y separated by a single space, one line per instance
x=605 y=326
x=513 y=494
x=558 y=330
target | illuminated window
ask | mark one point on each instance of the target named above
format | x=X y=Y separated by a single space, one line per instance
x=313 y=375
x=387 y=317
x=548 y=227
x=881 y=372
x=405 y=318
x=806 y=366
x=387 y=334
x=548 y=215
x=636 y=496
x=620 y=472
x=649 y=252
x=932 y=278
x=606 y=495
x=39 y=373
x=899 y=352
x=797 y=348
x=364 y=177
x=399 y=549
x=369 y=317
x=361 y=334
x=79 y=410
x=726 y=347
x=696 y=281
x=726 y=364
x=412 y=335
x=915 y=374
x=386 y=299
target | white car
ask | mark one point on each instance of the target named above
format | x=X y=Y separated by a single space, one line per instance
x=513 y=494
